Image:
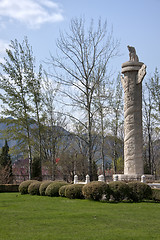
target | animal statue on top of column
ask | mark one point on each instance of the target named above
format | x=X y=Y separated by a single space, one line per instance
x=132 y=54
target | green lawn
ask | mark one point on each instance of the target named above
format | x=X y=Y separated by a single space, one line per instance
x=25 y=217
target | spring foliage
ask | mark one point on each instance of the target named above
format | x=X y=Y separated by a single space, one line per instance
x=23 y=187
x=53 y=189
x=96 y=190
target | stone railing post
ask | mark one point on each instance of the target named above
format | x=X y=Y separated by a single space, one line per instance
x=115 y=178
x=75 y=179
x=87 y=179
x=101 y=178
x=143 y=178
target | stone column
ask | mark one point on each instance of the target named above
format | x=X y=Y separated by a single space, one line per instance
x=134 y=72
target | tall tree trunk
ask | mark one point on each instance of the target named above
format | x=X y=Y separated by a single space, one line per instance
x=30 y=158
x=102 y=143
x=53 y=161
x=90 y=149
x=40 y=137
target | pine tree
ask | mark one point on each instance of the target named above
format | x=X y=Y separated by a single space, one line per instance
x=6 y=165
x=36 y=169
x=4 y=157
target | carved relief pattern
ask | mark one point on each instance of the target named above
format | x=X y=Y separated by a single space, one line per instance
x=141 y=74
x=132 y=124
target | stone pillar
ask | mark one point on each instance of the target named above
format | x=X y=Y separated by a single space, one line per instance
x=143 y=178
x=134 y=72
x=87 y=179
x=75 y=179
x=115 y=177
x=101 y=178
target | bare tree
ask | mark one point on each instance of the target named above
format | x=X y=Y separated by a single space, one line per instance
x=151 y=123
x=151 y=120
x=102 y=107
x=148 y=126
x=154 y=88
x=116 y=120
x=81 y=65
x=53 y=123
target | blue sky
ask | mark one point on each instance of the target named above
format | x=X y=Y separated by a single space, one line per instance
x=135 y=23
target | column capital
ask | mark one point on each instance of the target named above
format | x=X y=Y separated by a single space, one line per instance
x=131 y=66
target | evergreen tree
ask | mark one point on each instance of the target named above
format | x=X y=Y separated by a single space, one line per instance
x=5 y=157
x=6 y=165
x=36 y=169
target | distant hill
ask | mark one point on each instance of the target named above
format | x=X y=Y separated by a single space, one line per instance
x=68 y=139
x=11 y=143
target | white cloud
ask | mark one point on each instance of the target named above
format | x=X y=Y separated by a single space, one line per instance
x=33 y=13
x=3 y=46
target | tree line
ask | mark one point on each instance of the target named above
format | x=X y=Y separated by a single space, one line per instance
x=76 y=91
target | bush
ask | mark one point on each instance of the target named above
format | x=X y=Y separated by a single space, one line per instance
x=43 y=187
x=9 y=187
x=33 y=188
x=53 y=189
x=74 y=191
x=23 y=187
x=156 y=194
x=96 y=190
x=139 y=191
x=62 y=191
x=119 y=190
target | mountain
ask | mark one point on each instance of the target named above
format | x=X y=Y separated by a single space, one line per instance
x=69 y=139
x=11 y=143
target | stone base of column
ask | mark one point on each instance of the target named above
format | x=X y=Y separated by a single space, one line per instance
x=132 y=177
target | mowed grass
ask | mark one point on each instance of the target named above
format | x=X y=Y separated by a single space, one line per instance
x=25 y=217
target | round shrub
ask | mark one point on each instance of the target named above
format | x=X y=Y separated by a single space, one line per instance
x=139 y=191
x=119 y=190
x=53 y=189
x=33 y=188
x=96 y=190
x=62 y=191
x=43 y=187
x=156 y=195
x=23 y=187
x=74 y=191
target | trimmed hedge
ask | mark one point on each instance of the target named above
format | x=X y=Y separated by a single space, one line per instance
x=119 y=190
x=43 y=187
x=23 y=187
x=53 y=189
x=33 y=188
x=9 y=187
x=74 y=191
x=139 y=191
x=156 y=194
x=62 y=191
x=96 y=190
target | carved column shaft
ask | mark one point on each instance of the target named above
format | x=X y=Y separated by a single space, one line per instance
x=133 y=139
